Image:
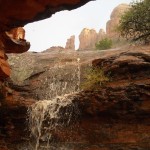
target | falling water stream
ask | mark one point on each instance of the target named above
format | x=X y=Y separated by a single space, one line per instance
x=57 y=110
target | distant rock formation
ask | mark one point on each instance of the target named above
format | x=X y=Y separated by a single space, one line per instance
x=70 y=44
x=54 y=48
x=88 y=38
x=114 y=20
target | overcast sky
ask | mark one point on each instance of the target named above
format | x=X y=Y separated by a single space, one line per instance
x=56 y=30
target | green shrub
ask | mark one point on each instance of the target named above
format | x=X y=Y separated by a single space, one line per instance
x=94 y=78
x=104 y=44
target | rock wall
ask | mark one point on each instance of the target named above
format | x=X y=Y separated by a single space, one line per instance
x=70 y=44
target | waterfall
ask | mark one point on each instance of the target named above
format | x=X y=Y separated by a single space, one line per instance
x=58 y=110
x=59 y=80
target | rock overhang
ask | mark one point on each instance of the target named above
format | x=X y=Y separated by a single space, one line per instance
x=15 y=14
x=18 y=13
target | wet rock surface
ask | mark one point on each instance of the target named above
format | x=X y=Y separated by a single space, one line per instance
x=115 y=116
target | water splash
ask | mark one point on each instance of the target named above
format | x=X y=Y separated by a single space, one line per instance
x=59 y=80
x=47 y=115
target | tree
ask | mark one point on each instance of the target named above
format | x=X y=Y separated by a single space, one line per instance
x=104 y=44
x=135 y=23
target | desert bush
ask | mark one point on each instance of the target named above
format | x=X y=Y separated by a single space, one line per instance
x=103 y=44
x=94 y=78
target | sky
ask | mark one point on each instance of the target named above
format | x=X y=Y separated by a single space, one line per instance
x=55 y=30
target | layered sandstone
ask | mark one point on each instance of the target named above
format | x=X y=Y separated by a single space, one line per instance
x=70 y=44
